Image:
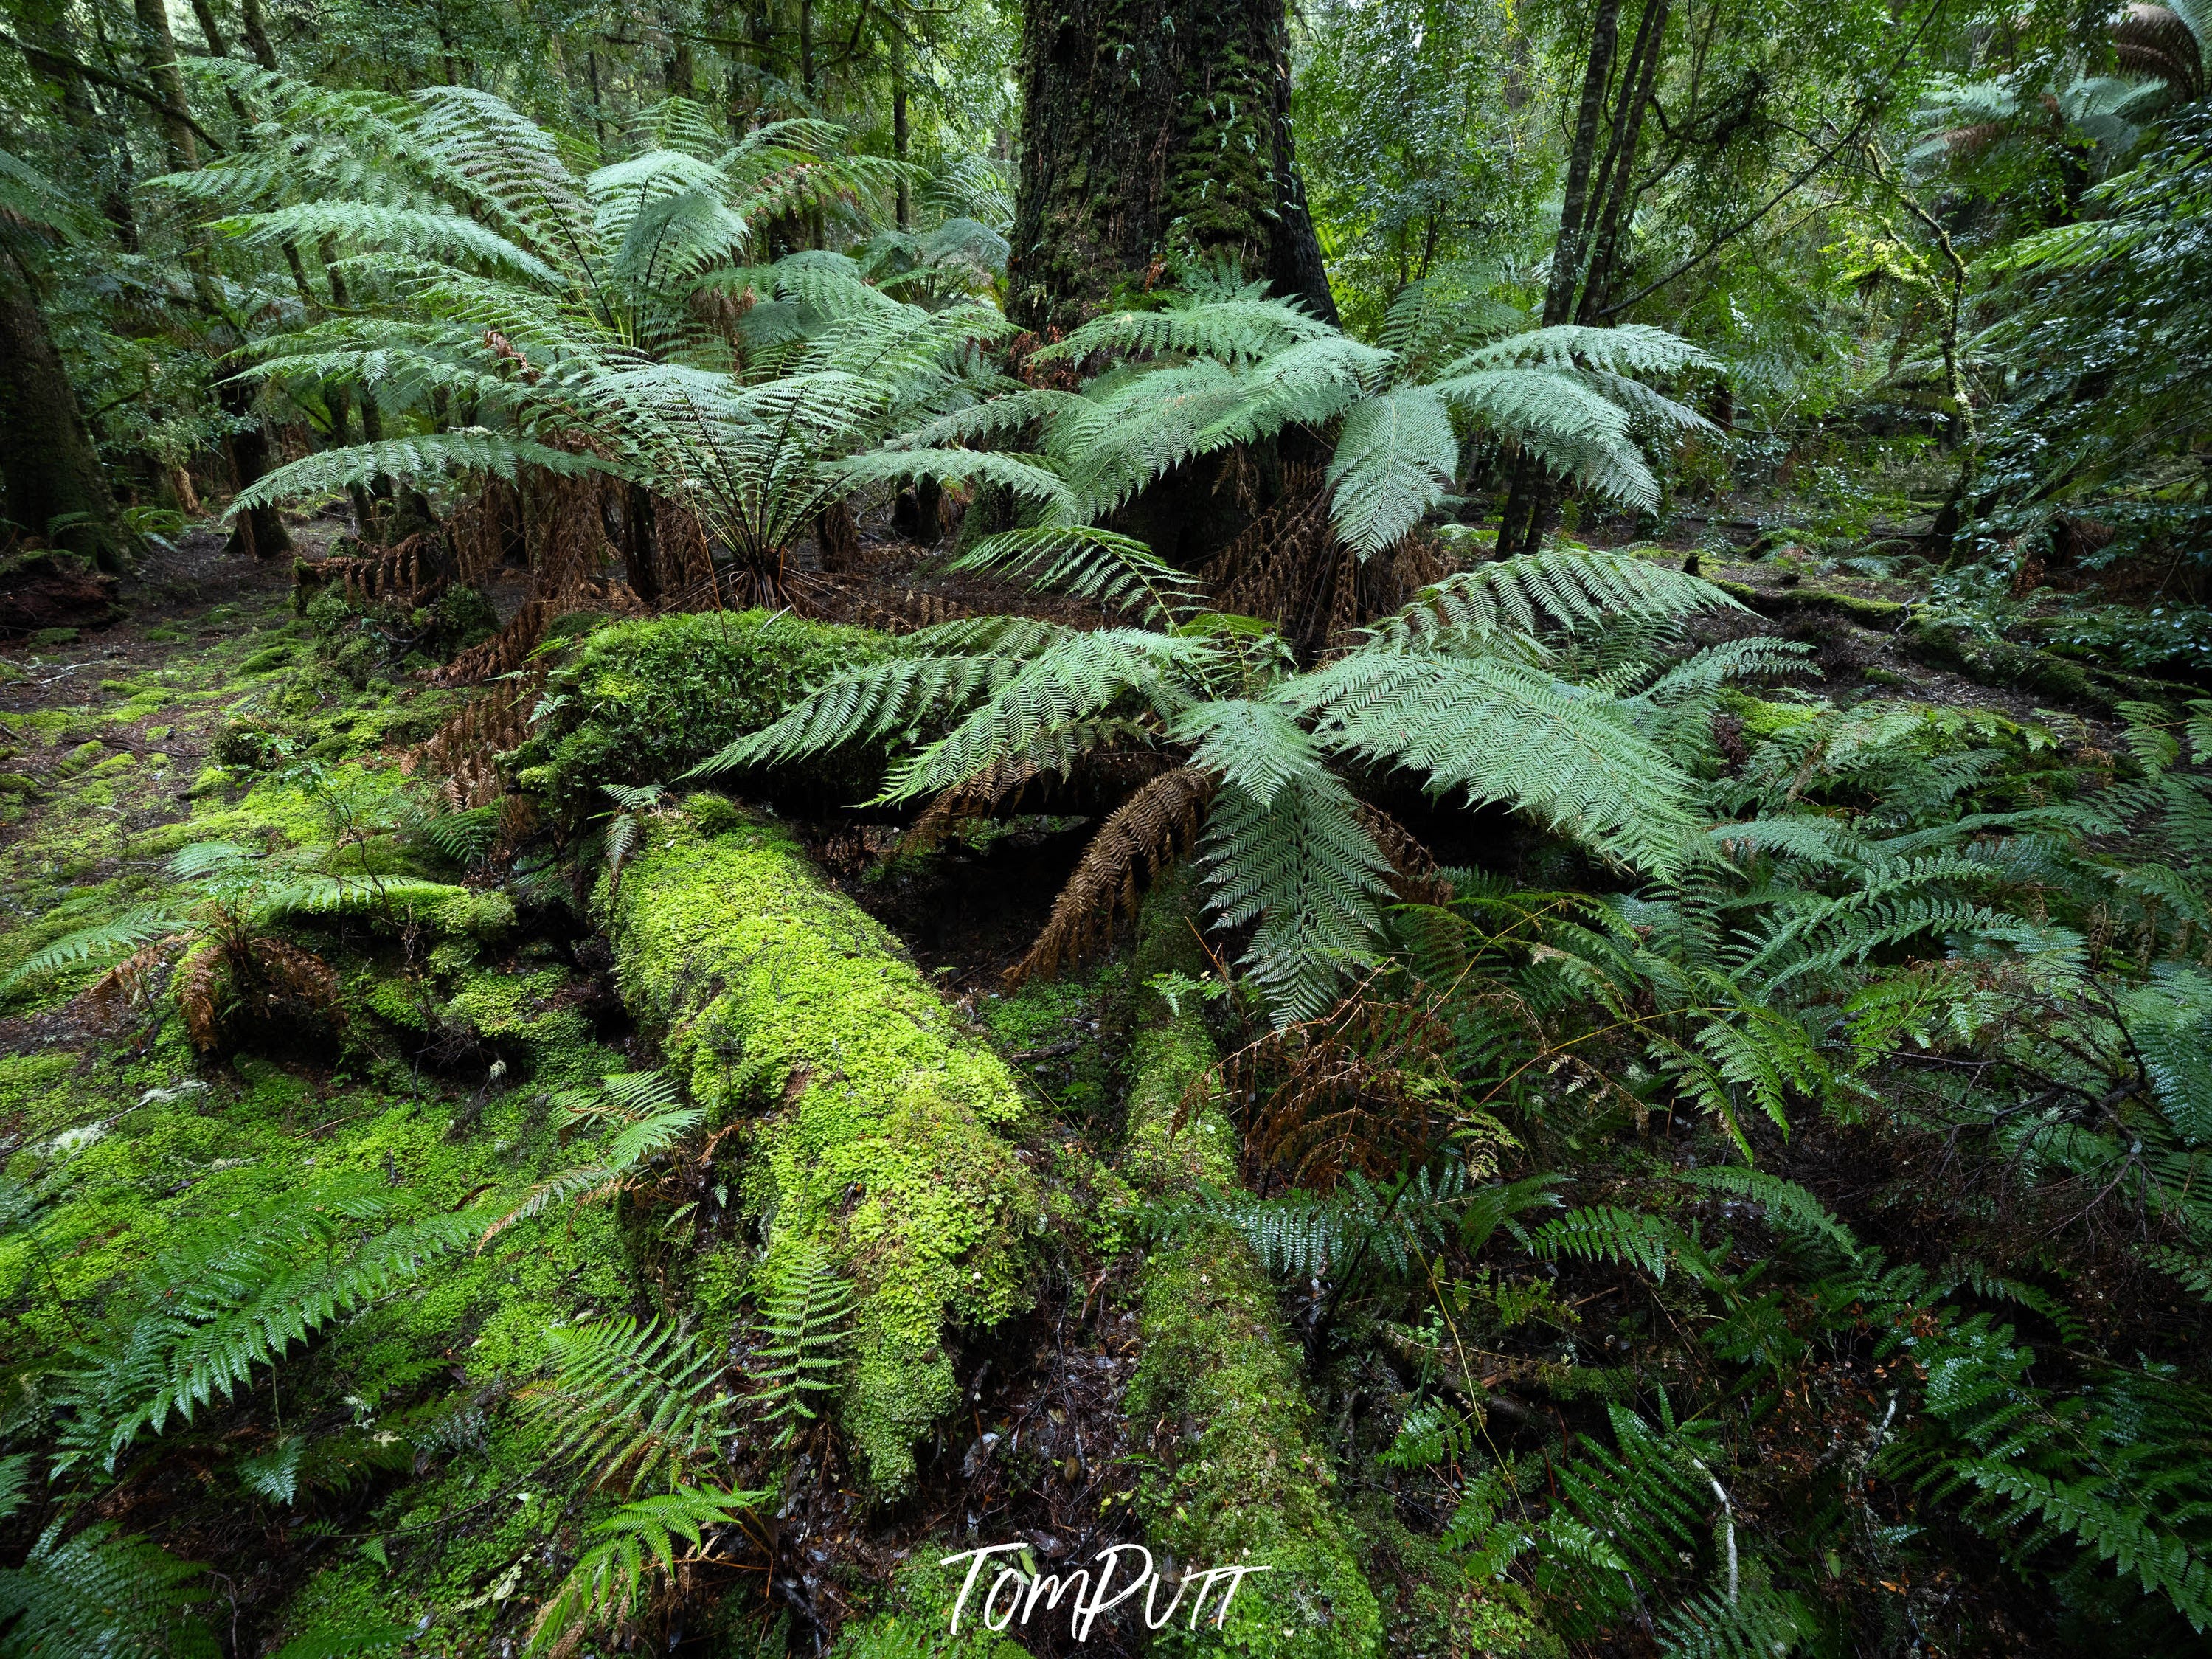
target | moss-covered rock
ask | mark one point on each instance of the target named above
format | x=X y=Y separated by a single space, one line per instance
x=644 y=701
x=1248 y=1482
x=877 y=1119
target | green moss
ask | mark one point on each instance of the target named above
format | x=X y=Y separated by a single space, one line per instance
x=79 y=758
x=645 y=701
x=1247 y=1479
x=877 y=1117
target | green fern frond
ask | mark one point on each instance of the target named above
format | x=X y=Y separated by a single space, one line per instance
x=637 y=1541
x=212 y=1311
x=1115 y=570
x=804 y=1327
x=139 y=925
x=1395 y=458
x=98 y=1595
x=631 y=1398
x=1557 y=588
x=467 y=449
x=1605 y=1232
x=1788 y=1206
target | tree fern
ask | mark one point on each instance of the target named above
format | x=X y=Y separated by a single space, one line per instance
x=802 y=1328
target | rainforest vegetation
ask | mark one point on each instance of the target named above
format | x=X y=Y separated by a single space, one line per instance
x=1408 y=799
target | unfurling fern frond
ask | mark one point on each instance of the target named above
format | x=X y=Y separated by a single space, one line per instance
x=98 y=1595
x=637 y=1541
x=803 y=1328
x=633 y=1398
x=1153 y=829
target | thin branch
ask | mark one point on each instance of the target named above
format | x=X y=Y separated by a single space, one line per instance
x=67 y=65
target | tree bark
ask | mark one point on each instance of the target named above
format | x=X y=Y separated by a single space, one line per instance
x=48 y=461
x=1154 y=132
x=899 y=135
x=178 y=143
x=1520 y=526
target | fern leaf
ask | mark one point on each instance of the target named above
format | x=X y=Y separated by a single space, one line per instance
x=802 y=1326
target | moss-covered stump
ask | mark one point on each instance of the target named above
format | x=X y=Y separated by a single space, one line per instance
x=1247 y=1481
x=876 y=1120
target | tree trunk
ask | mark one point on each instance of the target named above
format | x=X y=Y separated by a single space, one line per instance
x=48 y=461
x=899 y=136
x=1616 y=197
x=178 y=144
x=1521 y=527
x=1154 y=132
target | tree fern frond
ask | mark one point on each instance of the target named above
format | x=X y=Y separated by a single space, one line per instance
x=467 y=449
x=98 y=1595
x=1788 y=1206
x=1302 y=865
x=1103 y=565
x=1395 y=460
x=1503 y=732
x=214 y=1311
x=1076 y=676
x=1557 y=588
x=1243 y=328
x=133 y=928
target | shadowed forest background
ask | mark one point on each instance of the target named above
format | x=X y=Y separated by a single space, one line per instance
x=1419 y=790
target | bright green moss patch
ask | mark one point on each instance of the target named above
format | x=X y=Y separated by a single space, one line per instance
x=645 y=701
x=1249 y=1480
x=878 y=1121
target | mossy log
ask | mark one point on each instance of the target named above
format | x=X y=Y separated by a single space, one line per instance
x=877 y=1121
x=1247 y=1483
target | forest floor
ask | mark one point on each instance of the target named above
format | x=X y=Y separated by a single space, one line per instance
x=126 y=746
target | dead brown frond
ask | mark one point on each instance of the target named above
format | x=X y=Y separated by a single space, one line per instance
x=133 y=984
x=1367 y=1086
x=483 y=531
x=406 y=573
x=995 y=791
x=1155 y=827
x=460 y=754
x=684 y=562
x=199 y=998
x=1415 y=877
x=837 y=536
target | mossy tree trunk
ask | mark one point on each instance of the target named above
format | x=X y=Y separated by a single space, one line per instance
x=1155 y=131
x=1247 y=1478
x=877 y=1123
x=46 y=456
